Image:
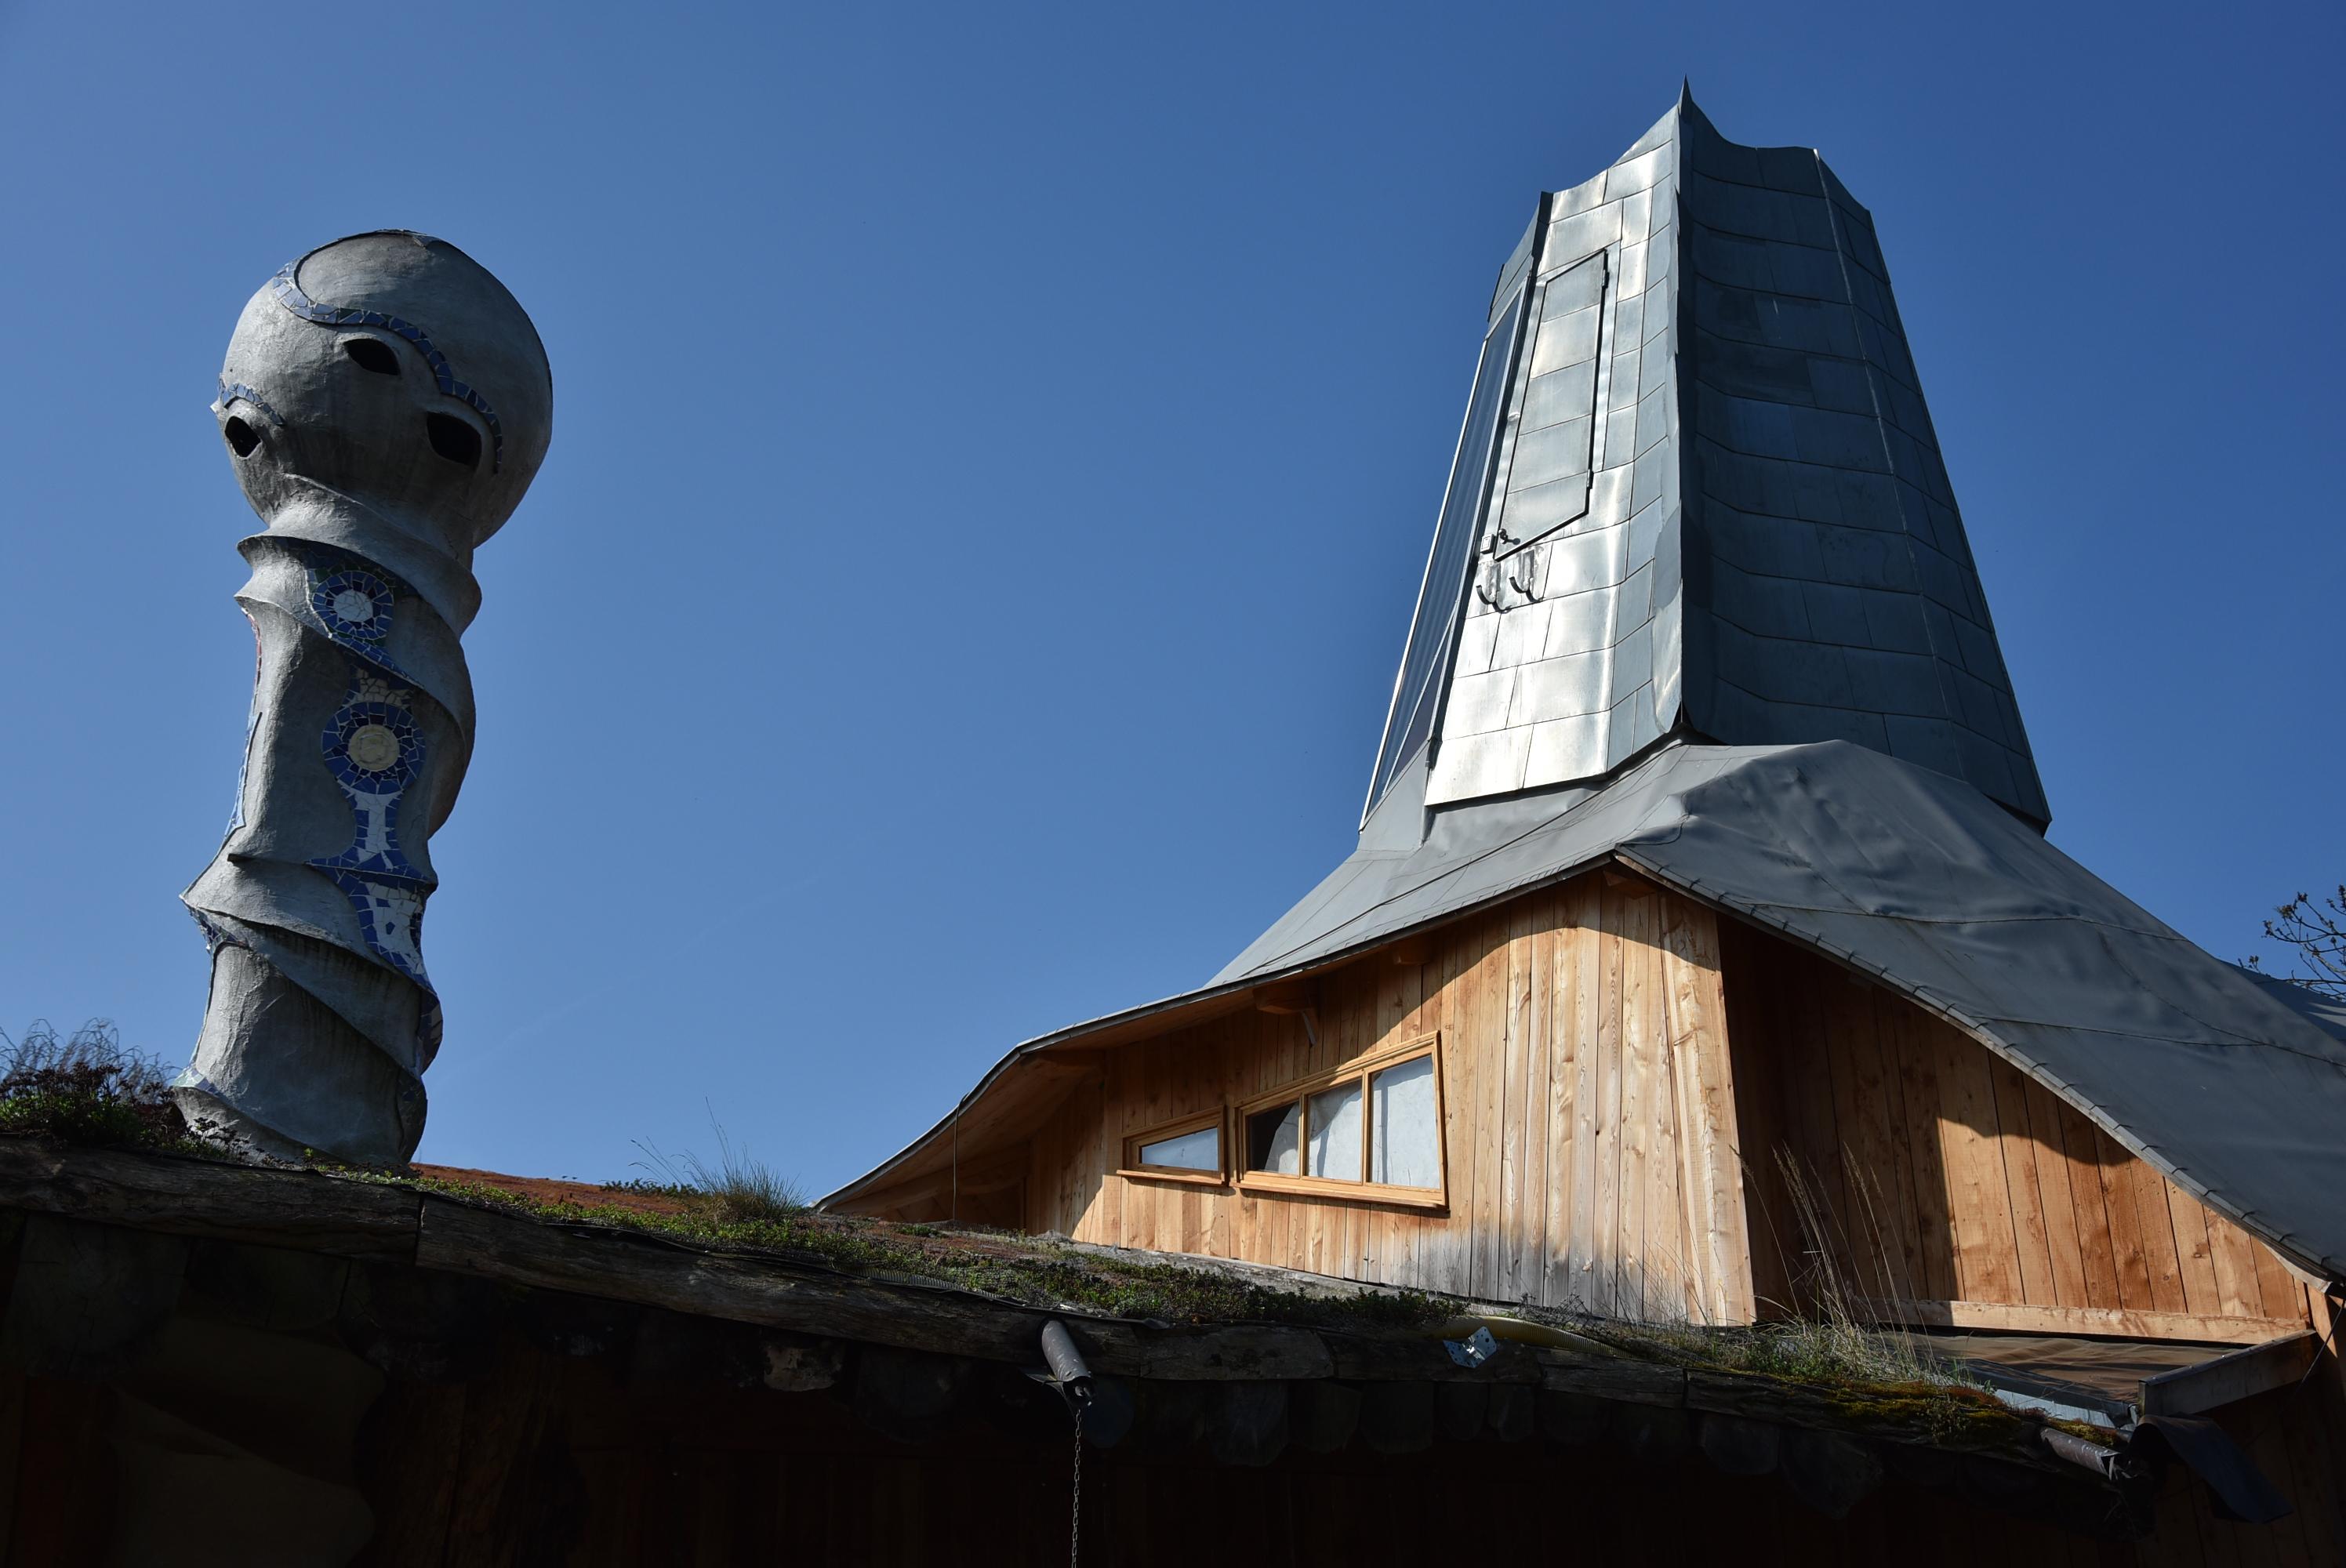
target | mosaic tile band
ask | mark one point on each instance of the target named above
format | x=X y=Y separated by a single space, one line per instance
x=237 y=392
x=289 y=295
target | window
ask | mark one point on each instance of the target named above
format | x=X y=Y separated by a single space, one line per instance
x=1187 y=1150
x=1373 y=1131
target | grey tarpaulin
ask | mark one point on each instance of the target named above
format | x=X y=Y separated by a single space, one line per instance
x=1919 y=881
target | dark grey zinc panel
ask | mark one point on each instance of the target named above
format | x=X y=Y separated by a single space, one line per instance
x=1836 y=613
x=1926 y=742
x=1807 y=272
x=1867 y=558
x=1938 y=525
x=1783 y=669
x=1792 y=169
x=1904 y=408
x=1736 y=263
x=1886 y=346
x=1987 y=765
x=1756 y=214
x=1760 y=316
x=1835 y=440
x=1763 y=606
x=1943 y=580
x=1703 y=149
x=1749 y=425
x=1869 y=294
x=1981 y=656
x=1897 y=683
x=1837 y=383
x=1817 y=491
x=1756 y=370
x=1894 y=621
x=1867 y=501
x=1939 y=624
x=1977 y=704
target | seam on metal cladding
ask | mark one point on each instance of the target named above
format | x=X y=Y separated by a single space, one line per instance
x=289 y=293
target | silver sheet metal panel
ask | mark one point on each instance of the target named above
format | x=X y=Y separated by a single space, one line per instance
x=1715 y=505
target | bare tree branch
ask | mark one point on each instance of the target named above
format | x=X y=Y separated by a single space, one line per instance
x=2316 y=930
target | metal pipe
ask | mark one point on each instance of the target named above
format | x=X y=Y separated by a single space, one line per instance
x=2102 y=1461
x=1068 y=1369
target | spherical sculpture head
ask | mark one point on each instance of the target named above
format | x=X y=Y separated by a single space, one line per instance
x=392 y=369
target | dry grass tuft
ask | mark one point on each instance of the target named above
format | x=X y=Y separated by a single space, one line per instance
x=734 y=1190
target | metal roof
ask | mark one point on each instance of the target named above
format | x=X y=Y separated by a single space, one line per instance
x=1713 y=505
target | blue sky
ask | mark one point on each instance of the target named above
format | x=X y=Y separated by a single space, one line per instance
x=995 y=451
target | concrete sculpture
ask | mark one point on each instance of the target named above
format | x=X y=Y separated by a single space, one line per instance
x=386 y=403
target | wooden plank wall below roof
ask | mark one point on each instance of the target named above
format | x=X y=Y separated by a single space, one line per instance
x=1951 y=1177
x=1589 y=1116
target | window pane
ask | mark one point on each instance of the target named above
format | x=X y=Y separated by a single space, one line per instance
x=1271 y=1142
x=1336 y=1131
x=1406 y=1145
x=1199 y=1149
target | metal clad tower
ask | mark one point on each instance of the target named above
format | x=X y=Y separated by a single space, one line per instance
x=1696 y=496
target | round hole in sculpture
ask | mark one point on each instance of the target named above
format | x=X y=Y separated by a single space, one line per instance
x=242 y=439
x=368 y=354
x=453 y=439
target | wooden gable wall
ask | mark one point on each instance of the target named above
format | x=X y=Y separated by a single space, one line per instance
x=1624 y=1077
x=1953 y=1178
x=1588 y=1118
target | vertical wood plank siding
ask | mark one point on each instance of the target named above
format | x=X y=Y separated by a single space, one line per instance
x=1589 y=1116
x=1951 y=1175
x=1626 y=1077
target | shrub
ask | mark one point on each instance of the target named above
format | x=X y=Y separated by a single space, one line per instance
x=86 y=1087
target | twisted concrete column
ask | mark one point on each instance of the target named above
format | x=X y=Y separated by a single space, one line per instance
x=386 y=403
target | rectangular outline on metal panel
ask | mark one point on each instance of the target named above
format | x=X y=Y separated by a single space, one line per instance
x=1599 y=366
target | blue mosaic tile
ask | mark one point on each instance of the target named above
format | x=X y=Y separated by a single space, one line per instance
x=289 y=295
x=385 y=778
x=353 y=604
x=386 y=890
x=236 y=392
x=332 y=573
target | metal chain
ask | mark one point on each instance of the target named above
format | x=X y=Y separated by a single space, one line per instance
x=1075 y=1526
